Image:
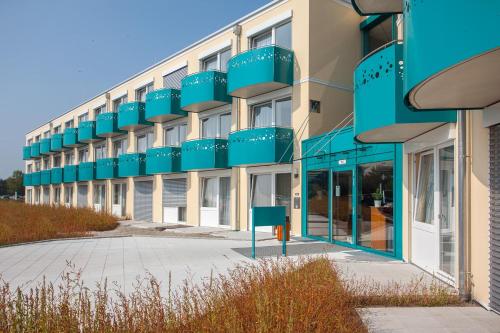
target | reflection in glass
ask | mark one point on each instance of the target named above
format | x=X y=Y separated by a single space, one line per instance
x=284 y=191
x=317 y=203
x=342 y=206
x=375 y=206
x=424 y=211
x=224 y=200
x=446 y=210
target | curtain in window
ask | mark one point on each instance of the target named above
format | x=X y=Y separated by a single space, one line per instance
x=171 y=137
x=224 y=200
x=262 y=115
x=284 y=113
x=209 y=192
x=225 y=125
x=210 y=64
x=284 y=190
x=261 y=190
x=182 y=133
x=142 y=144
x=284 y=35
x=425 y=190
x=209 y=127
x=262 y=40
x=224 y=57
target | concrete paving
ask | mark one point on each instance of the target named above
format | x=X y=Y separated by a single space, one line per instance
x=425 y=320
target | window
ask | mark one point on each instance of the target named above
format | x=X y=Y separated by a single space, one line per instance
x=280 y=35
x=273 y=113
x=83 y=155
x=216 y=126
x=120 y=147
x=99 y=110
x=37 y=166
x=69 y=124
x=57 y=129
x=99 y=196
x=30 y=141
x=377 y=34
x=37 y=138
x=424 y=211
x=119 y=101
x=317 y=204
x=174 y=136
x=68 y=158
x=217 y=62
x=57 y=161
x=46 y=164
x=140 y=94
x=68 y=195
x=57 y=195
x=46 y=134
x=144 y=141
x=173 y=79
x=100 y=152
x=209 y=192
x=83 y=117
x=271 y=189
x=30 y=168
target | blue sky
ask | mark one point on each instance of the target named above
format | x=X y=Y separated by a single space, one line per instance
x=55 y=54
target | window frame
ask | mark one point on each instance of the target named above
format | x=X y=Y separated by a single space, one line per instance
x=122 y=100
x=99 y=146
x=145 y=89
x=176 y=126
x=146 y=134
x=86 y=152
x=83 y=117
x=271 y=30
x=218 y=57
x=217 y=115
x=100 y=110
x=273 y=102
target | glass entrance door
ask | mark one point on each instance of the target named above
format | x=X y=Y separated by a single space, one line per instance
x=342 y=206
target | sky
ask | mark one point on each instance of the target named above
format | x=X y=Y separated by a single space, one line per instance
x=55 y=54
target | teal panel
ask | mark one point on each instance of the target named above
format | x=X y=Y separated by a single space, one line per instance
x=260 y=70
x=56 y=142
x=204 y=154
x=87 y=132
x=45 y=177
x=364 y=8
x=45 y=146
x=86 y=171
x=35 y=178
x=107 y=168
x=440 y=34
x=132 y=116
x=70 y=173
x=260 y=146
x=27 y=179
x=26 y=152
x=268 y=216
x=56 y=175
x=163 y=105
x=70 y=137
x=132 y=165
x=107 y=125
x=378 y=99
x=35 y=149
x=163 y=160
x=204 y=90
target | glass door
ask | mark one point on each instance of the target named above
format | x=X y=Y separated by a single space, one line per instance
x=446 y=210
x=341 y=203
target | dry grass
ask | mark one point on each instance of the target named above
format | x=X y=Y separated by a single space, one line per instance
x=25 y=223
x=287 y=296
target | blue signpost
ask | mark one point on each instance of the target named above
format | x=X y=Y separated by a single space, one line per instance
x=269 y=216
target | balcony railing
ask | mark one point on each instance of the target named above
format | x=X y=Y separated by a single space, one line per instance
x=56 y=142
x=204 y=90
x=107 y=168
x=45 y=177
x=204 y=154
x=35 y=178
x=70 y=173
x=132 y=165
x=26 y=153
x=107 y=125
x=35 y=149
x=45 y=146
x=131 y=116
x=163 y=105
x=86 y=171
x=163 y=160
x=56 y=175
x=70 y=138
x=87 y=132
x=27 y=179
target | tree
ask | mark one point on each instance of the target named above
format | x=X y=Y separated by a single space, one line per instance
x=15 y=183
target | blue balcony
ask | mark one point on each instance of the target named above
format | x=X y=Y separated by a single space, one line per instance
x=107 y=168
x=27 y=179
x=107 y=125
x=452 y=54
x=35 y=178
x=35 y=149
x=131 y=116
x=268 y=145
x=86 y=171
x=204 y=90
x=164 y=105
x=258 y=71
x=45 y=177
x=26 y=153
x=163 y=160
x=204 y=154
x=70 y=173
x=86 y=132
x=372 y=7
x=45 y=146
x=56 y=142
x=380 y=114
x=70 y=138
x=132 y=165
x=56 y=176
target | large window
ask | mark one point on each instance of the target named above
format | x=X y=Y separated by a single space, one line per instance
x=119 y=147
x=273 y=113
x=216 y=62
x=119 y=101
x=144 y=141
x=140 y=94
x=69 y=124
x=317 y=204
x=209 y=192
x=83 y=117
x=68 y=158
x=375 y=206
x=175 y=135
x=280 y=35
x=99 y=110
x=83 y=155
x=57 y=161
x=271 y=189
x=173 y=80
x=216 y=126
x=100 y=151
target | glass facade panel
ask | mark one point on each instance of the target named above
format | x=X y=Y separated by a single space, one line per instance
x=342 y=206
x=375 y=228
x=317 y=204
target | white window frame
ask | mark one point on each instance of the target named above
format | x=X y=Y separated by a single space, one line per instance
x=280 y=97
x=215 y=54
x=57 y=129
x=103 y=146
x=144 y=132
x=83 y=117
x=268 y=29
x=87 y=157
x=100 y=110
x=71 y=160
x=119 y=101
x=69 y=124
x=217 y=114
x=119 y=139
x=147 y=88
x=174 y=125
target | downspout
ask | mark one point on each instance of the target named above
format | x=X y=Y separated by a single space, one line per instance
x=237 y=33
x=462 y=175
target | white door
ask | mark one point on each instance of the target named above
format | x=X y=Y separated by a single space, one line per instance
x=433 y=235
x=215 y=201
x=174 y=200
x=119 y=199
x=99 y=197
